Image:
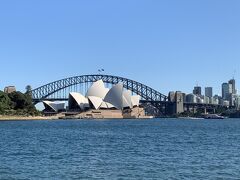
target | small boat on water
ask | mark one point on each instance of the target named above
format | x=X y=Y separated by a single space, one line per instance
x=195 y=118
x=213 y=116
x=191 y=118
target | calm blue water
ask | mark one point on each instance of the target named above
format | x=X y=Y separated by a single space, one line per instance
x=117 y=149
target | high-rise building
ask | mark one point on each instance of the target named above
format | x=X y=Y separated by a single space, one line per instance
x=209 y=92
x=226 y=91
x=197 y=90
x=232 y=82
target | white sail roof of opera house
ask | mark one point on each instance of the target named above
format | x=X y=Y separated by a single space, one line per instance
x=115 y=96
x=106 y=105
x=135 y=100
x=78 y=98
x=97 y=89
x=53 y=106
x=96 y=101
x=126 y=99
x=99 y=97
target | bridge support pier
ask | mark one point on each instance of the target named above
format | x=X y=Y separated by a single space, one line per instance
x=179 y=103
x=176 y=106
x=194 y=110
x=205 y=110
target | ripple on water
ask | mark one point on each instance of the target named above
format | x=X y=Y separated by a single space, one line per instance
x=148 y=149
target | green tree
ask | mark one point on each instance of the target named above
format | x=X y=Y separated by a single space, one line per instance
x=17 y=103
x=5 y=102
x=20 y=100
x=28 y=90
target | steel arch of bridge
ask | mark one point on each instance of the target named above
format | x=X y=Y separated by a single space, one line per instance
x=140 y=89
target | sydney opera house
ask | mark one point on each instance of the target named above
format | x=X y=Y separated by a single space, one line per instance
x=101 y=102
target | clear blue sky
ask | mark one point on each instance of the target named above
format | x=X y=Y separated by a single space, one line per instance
x=166 y=44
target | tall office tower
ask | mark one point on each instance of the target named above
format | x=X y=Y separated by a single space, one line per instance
x=233 y=84
x=226 y=88
x=209 y=92
x=197 y=90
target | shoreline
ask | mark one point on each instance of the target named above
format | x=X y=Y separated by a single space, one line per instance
x=26 y=118
x=43 y=118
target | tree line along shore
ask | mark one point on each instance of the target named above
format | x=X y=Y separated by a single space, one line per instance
x=17 y=104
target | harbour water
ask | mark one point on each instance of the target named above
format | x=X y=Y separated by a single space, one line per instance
x=120 y=149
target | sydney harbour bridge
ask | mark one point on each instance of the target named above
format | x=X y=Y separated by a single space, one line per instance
x=151 y=99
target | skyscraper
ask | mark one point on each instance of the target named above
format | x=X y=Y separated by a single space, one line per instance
x=197 y=90
x=225 y=91
x=209 y=92
x=232 y=82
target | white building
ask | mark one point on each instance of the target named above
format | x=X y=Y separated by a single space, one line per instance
x=53 y=106
x=99 y=97
x=77 y=101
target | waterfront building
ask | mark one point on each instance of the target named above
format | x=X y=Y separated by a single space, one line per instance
x=97 y=89
x=53 y=106
x=209 y=92
x=99 y=97
x=9 y=89
x=77 y=102
x=197 y=90
x=100 y=102
x=226 y=90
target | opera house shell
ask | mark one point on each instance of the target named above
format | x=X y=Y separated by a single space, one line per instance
x=53 y=106
x=100 y=97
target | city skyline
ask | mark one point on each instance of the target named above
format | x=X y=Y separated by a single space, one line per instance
x=119 y=89
x=167 y=45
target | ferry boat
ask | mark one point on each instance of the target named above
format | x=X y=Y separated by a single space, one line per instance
x=214 y=116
